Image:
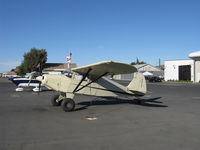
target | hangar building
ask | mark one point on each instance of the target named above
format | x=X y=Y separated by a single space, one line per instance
x=196 y=57
x=179 y=70
x=183 y=69
x=141 y=68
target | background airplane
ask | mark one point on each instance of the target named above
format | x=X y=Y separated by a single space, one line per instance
x=27 y=81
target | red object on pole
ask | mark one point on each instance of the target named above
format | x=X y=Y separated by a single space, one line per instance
x=68 y=58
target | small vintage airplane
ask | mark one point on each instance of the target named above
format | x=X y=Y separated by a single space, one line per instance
x=93 y=82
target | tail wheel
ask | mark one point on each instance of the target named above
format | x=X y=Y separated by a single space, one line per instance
x=68 y=104
x=55 y=100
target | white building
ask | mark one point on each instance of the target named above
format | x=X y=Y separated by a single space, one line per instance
x=183 y=69
x=196 y=57
x=146 y=67
x=179 y=70
x=141 y=68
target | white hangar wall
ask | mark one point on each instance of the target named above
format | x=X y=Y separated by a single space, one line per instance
x=196 y=57
x=172 y=69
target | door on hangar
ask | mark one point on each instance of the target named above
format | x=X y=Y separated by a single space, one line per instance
x=185 y=72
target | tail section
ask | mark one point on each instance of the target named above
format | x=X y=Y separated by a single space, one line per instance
x=138 y=84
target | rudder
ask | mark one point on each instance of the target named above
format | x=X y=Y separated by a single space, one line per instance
x=138 y=84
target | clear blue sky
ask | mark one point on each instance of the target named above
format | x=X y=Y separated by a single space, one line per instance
x=96 y=30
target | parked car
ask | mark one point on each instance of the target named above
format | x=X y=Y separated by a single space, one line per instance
x=155 y=79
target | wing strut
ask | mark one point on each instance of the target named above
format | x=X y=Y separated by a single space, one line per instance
x=76 y=89
x=82 y=80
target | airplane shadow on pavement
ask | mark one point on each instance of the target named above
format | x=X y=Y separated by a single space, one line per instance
x=152 y=102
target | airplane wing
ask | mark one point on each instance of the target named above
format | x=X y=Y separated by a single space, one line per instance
x=105 y=67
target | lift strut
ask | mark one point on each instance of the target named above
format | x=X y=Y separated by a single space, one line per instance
x=82 y=80
x=76 y=89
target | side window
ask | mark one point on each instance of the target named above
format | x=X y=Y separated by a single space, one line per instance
x=77 y=77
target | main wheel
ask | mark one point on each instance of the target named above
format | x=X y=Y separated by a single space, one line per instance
x=55 y=100
x=68 y=104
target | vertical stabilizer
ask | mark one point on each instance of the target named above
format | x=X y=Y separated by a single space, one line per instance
x=138 y=84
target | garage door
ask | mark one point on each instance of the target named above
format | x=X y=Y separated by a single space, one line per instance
x=185 y=72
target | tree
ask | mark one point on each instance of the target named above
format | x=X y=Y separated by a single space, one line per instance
x=137 y=62
x=32 y=61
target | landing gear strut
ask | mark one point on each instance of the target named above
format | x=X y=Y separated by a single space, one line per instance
x=55 y=101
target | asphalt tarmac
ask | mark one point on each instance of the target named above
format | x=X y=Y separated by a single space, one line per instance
x=168 y=118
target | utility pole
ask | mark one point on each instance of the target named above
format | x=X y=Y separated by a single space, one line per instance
x=68 y=59
x=159 y=62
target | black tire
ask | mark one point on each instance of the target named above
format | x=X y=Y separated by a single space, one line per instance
x=54 y=101
x=68 y=104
